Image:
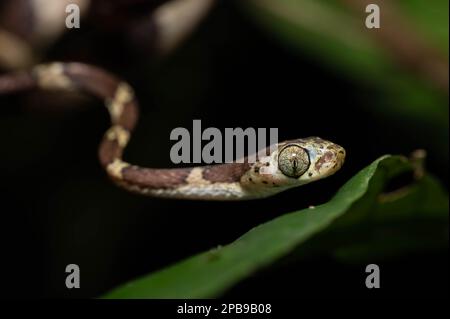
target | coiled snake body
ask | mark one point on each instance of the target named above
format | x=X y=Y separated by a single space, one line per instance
x=291 y=163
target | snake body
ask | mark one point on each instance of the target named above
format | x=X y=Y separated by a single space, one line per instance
x=289 y=164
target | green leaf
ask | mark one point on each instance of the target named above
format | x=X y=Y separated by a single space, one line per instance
x=210 y=273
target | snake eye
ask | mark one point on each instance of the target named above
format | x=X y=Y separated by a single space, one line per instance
x=293 y=161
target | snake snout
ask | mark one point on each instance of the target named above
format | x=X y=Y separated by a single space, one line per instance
x=340 y=156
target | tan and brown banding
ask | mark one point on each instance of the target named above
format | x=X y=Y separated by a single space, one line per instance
x=152 y=178
x=223 y=182
x=225 y=173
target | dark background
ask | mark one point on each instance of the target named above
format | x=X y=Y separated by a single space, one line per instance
x=58 y=207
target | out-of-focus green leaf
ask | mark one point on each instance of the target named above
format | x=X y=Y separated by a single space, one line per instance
x=210 y=273
x=431 y=18
x=335 y=35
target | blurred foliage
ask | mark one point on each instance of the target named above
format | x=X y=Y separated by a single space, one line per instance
x=359 y=203
x=335 y=33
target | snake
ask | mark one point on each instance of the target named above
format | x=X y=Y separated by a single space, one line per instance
x=289 y=164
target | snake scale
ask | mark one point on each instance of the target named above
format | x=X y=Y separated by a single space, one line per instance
x=291 y=163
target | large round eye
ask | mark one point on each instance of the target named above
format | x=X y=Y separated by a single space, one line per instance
x=293 y=161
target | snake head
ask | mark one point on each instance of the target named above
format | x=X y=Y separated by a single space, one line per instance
x=293 y=163
x=325 y=158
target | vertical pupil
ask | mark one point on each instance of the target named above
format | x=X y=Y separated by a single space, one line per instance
x=295 y=164
x=293 y=161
